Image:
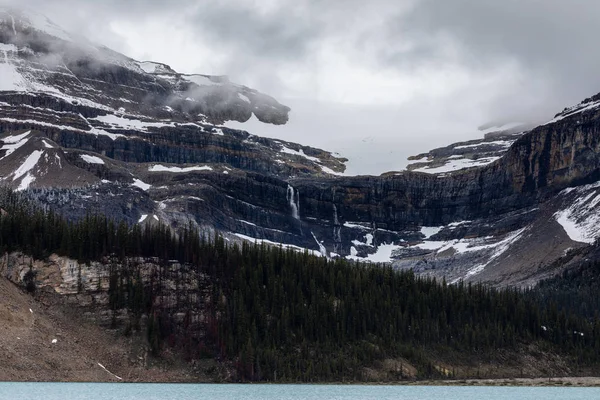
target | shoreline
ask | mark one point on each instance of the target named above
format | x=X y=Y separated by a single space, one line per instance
x=590 y=382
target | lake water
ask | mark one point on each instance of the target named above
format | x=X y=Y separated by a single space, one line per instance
x=99 y=391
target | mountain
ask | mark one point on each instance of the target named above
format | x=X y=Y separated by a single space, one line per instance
x=474 y=153
x=88 y=130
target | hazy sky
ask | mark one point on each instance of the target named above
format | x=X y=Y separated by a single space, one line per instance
x=374 y=80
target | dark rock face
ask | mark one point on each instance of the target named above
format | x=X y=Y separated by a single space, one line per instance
x=138 y=142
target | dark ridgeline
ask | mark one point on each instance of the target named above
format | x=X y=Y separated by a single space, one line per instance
x=277 y=314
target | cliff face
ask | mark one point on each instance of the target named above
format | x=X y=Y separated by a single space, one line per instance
x=85 y=129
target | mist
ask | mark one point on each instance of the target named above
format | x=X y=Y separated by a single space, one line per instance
x=377 y=81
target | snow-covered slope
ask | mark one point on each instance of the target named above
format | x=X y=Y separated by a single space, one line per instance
x=84 y=95
x=475 y=153
x=38 y=56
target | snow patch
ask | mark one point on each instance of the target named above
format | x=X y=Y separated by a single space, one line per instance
x=121 y=122
x=268 y=242
x=458 y=164
x=580 y=219
x=322 y=248
x=382 y=255
x=141 y=185
x=28 y=164
x=356 y=225
x=26 y=182
x=201 y=80
x=91 y=159
x=148 y=66
x=505 y=143
x=12 y=143
x=299 y=153
x=104 y=368
x=582 y=107
x=162 y=168
x=429 y=231
x=329 y=171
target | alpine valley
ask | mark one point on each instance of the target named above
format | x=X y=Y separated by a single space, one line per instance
x=88 y=131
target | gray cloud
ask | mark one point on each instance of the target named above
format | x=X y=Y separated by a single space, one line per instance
x=281 y=33
x=551 y=40
x=438 y=68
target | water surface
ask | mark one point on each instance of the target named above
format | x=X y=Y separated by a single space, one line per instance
x=108 y=391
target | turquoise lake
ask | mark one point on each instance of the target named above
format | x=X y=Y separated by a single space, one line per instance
x=99 y=391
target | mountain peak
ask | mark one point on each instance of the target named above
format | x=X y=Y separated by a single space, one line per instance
x=25 y=20
x=38 y=56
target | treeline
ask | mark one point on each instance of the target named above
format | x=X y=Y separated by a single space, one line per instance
x=304 y=317
x=280 y=315
x=574 y=291
x=40 y=233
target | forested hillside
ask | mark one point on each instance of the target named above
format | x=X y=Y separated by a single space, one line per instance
x=275 y=314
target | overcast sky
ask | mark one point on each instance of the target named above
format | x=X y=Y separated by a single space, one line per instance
x=374 y=80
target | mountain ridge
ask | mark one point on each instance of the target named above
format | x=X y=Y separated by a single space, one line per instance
x=118 y=129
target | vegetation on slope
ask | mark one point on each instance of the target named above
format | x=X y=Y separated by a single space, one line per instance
x=281 y=315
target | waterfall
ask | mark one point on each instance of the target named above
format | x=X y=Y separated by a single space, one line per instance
x=336 y=221
x=293 y=198
x=337 y=231
x=322 y=248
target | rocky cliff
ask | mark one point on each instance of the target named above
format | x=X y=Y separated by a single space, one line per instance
x=85 y=129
